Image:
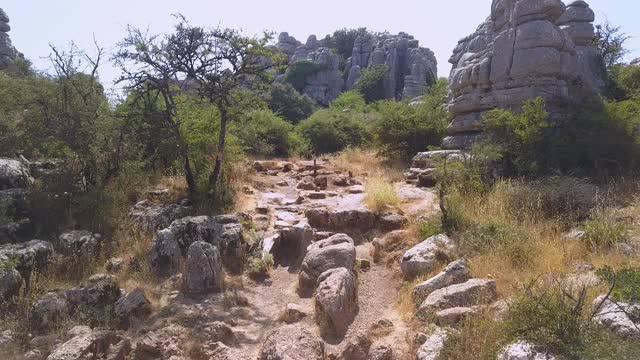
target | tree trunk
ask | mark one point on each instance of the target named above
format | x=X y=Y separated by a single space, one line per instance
x=214 y=178
x=188 y=174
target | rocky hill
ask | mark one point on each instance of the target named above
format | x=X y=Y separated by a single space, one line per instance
x=7 y=52
x=411 y=69
x=525 y=49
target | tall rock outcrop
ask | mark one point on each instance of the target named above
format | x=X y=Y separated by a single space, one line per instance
x=411 y=68
x=525 y=49
x=7 y=52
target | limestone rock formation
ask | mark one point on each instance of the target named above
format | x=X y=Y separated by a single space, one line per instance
x=95 y=298
x=337 y=251
x=151 y=216
x=455 y=273
x=292 y=343
x=431 y=348
x=79 y=243
x=618 y=316
x=525 y=49
x=523 y=350
x=132 y=305
x=336 y=301
x=93 y=345
x=8 y=53
x=411 y=68
x=470 y=293
x=424 y=257
x=203 y=272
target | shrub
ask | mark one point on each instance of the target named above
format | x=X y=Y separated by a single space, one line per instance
x=430 y=227
x=603 y=230
x=380 y=194
x=371 y=83
x=502 y=238
x=285 y=101
x=519 y=135
x=258 y=268
x=350 y=100
x=402 y=130
x=298 y=73
x=329 y=131
x=625 y=282
x=263 y=133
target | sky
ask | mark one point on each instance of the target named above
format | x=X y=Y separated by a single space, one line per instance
x=437 y=24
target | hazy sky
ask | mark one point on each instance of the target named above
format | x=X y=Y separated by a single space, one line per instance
x=438 y=24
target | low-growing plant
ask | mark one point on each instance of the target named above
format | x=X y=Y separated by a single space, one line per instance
x=603 y=230
x=259 y=267
x=380 y=195
x=625 y=283
x=499 y=237
x=429 y=227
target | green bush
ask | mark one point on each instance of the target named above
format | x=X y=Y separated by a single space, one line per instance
x=258 y=267
x=625 y=282
x=371 y=83
x=430 y=227
x=499 y=237
x=298 y=72
x=402 y=130
x=263 y=133
x=285 y=101
x=350 y=100
x=328 y=131
x=603 y=230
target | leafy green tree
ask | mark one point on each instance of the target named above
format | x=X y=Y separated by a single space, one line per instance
x=263 y=133
x=285 y=101
x=610 y=43
x=350 y=100
x=343 y=40
x=371 y=83
x=329 y=131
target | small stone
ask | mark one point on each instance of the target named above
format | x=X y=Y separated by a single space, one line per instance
x=381 y=327
x=293 y=313
x=316 y=195
x=114 y=265
x=364 y=264
x=453 y=316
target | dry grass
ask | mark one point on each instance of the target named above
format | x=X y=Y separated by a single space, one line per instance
x=380 y=195
x=365 y=164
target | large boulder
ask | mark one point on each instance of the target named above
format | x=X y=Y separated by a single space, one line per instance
x=431 y=348
x=81 y=244
x=356 y=222
x=13 y=173
x=337 y=251
x=469 y=293
x=151 y=216
x=336 y=301
x=133 y=305
x=10 y=283
x=291 y=246
x=620 y=317
x=292 y=343
x=525 y=49
x=203 y=273
x=95 y=298
x=455 y=273
x=424 y=257
x=47 y=312
x=92 y=346
x=224 y=232
x=27 y=257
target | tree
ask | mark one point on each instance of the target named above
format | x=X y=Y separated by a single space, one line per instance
x=609 y=41
x=285 y=101
x=148 y=71
x=371 y=83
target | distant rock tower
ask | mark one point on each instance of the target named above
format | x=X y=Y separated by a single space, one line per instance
x=525 y=49
x=7 y=51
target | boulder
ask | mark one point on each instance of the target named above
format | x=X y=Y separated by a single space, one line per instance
x=27 y=257
x=292 y=343
x=469 y=293
x=336 y=301
x=47 y=312
x=10 y=283
x=291 y=246
x=356 y=222
x=203 y=272
x=80 y=244
x=164 y=343
x=453 y=316
x=224 y=232
x=455 y=273
x=92 y=346
x=13 y=173
x=218 y=331
x=133 y=305
x=523 y=350
x=96 y=298
x=337 y=251
x=431 y=348
x=293 y=313
x=424 y=257
x=381 y=352
x=150 y=216
x=620 y=317
x=357 y=348
x=391 y=222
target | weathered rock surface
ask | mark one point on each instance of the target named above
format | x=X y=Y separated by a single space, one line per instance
x=47 y=312
x=453 y=316
x=467 y=294
x=92 y=346
x=292 y=343
x=291 y=246
x=357 y=348
x=13 y=173
x=151 y=216
x=80 y=244
x=203 y=272
x=424 y=257
x=620 y=317
x=455 y=273
x=10 y=283
x=27 y=257
x=337 y=251
x=381 y=352
x=523 y=350
x=96 y=298
x=411 y=68
x=8 y=53
x=525 y=49
x=133 y=305
x=293 y=313
x=336 y=300
x=224 y=232
x=431 y=348
x=355 y=222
